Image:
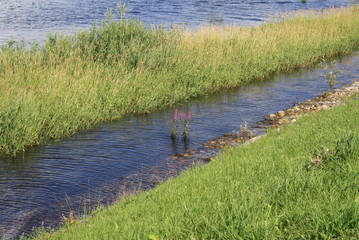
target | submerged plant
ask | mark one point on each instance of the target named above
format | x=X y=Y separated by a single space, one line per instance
x=331 y=74
x=185 y=124
x=215 y=20
x=244 y=131
x=174 y=124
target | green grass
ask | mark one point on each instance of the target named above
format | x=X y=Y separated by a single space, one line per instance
x=74 y=82
x=265 y=190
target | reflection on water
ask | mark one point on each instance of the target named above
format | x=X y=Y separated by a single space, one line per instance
x=50 y=179
x=32 y=20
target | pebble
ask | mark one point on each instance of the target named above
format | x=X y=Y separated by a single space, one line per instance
x=290 y=110
x=281 y=113
x=283 y=121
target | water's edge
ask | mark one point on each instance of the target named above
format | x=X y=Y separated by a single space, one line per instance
x=213 y=148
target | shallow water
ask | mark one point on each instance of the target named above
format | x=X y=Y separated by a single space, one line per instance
x=61 y=176
x=32 y=20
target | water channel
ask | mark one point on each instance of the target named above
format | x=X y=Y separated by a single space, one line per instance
x=47 y=181
x=61 y=176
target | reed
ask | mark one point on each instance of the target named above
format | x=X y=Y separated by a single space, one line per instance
x=118 y=67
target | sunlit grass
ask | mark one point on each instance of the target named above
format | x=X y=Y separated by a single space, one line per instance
x=74 y=82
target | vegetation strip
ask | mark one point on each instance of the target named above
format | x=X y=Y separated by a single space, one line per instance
x=74 y=82
x=299 y=181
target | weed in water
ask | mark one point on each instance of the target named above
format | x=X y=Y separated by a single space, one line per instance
x=185 y=117
x=174 y=124
x=244 y=131
x=331 y=74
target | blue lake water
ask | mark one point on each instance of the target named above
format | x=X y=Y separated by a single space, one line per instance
x=32 y=20
x=60 y=176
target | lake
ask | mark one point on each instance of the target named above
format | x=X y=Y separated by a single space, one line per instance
x=33 y=20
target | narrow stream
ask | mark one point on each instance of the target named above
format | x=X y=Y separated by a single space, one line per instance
x=60 y=176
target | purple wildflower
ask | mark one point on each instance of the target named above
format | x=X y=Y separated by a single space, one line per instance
x=175 y=114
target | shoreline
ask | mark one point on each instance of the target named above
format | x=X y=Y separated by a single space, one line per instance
x=212 y=149
x=320 y=103
x=325 y=101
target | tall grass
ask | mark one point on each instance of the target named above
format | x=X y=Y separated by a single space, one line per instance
x=269 y=189
x=119 y=67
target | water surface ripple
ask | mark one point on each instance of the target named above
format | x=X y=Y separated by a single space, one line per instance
x=32 y=20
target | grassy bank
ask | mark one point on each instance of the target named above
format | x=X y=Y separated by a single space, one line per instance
x=74 y=82
x=299 y=182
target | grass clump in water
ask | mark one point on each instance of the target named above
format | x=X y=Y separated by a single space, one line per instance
x=74 y=82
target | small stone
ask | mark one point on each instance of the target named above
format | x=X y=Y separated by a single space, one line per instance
x=290 y=110
x=281 y=113
x=293 y=120
x=272 y=115
x=324 y=107
x=283 y=121
x=206 y=159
